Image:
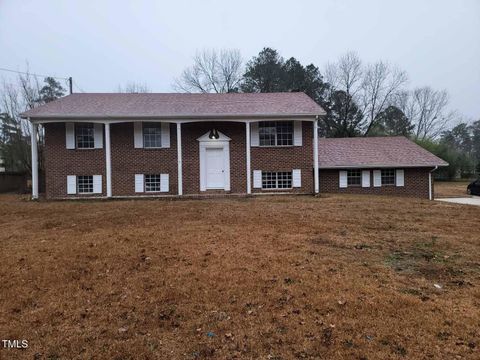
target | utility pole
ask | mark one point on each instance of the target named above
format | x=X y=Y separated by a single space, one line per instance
x=70 y=83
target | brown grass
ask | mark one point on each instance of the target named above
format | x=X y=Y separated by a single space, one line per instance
x=451 y=188
x=347 y=277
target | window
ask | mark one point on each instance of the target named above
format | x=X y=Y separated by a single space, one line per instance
x=354 y=178
x=152 y=135
x=388 y=177
x=152 y=183
x=85 y=184
x=275 y=133
x=84 y=135
x=276 y=180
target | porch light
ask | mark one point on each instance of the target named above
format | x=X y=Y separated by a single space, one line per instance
x=213 y=134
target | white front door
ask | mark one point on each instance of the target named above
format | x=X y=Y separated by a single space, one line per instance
x=215 y=168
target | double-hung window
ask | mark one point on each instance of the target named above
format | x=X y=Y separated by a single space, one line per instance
x=85 y=184
x=152 y=183
x=388 y=177
x=84 y=136
x=276 y=180
x=276 y=133
x=152 y=135
x=354 y=178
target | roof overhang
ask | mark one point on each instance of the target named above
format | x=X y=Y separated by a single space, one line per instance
x=381 y=166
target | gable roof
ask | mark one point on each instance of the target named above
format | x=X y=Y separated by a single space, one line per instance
x=371 y=152
x=180 y=106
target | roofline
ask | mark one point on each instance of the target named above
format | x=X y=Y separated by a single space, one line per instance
x=206 y=117
x=382 y=166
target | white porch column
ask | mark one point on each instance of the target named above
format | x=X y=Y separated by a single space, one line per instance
x=249 y=172
x=179 y=158
x=34 y=146
x=108 y=160
x=315 y=157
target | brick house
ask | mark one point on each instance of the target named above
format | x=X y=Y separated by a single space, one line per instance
x=120 y=145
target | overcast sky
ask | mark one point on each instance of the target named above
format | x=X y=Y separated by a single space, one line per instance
x=103 y=44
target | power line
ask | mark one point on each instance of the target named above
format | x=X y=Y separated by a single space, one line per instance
x=78 y=87
x=37 y=75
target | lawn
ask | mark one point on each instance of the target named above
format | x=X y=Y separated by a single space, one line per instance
x=348 y=277
x=451 y=188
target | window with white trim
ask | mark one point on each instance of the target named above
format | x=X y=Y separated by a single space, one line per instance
x=152 y=183
x=388 y=177
x=84 y=136
x=276 y=180
x=85 y=184
x=152 y=135
x=354 y=177
x=275 y=133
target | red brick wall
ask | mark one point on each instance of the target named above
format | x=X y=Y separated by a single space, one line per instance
x=60 y=162
x=287 y=159
x=128 y=161
x=416 y=184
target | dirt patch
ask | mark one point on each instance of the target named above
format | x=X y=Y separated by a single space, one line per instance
x=450 y=188
x=267 y=278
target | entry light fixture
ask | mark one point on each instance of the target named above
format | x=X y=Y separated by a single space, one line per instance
x=213 y=134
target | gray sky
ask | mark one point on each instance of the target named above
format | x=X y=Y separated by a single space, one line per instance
x=106 y=43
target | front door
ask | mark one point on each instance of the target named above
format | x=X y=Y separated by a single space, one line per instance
x=215 y=170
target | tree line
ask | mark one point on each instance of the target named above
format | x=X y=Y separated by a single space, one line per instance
x=360 y=99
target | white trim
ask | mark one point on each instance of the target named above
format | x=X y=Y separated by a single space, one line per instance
x=179 y=159
x=257 y=179
x=297 y=133
x=296 y=178
x=70 y=135
x=223 y=142
x=34 y=146
x=71 y=184
x=165 y=134
x=399 y=177
x=377 y=178
x=342 y=179
x=316 y=174
x=360 y=166
x=365 y=178
x=97 y=184
x=97 y=136
x=108 y=161
x=430 y=187
x=138 y=135
x=139 y=183
x=247 y=134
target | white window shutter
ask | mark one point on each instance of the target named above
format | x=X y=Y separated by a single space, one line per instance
x=377 y=178
x=97 y=184
x=297 y=133
x=98 y=136
x=296 y=178
x=165 y=135
x=71 y=184
x=254 y=136
x=366 y=178
x=138 y=134
x=343 y=183
x=70 y=135
x=257 y=179
x=400 y=181
x=139 y=183
x=164 y=183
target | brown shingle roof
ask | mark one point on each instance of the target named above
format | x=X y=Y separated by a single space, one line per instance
x=111 y=105
x=374 y=152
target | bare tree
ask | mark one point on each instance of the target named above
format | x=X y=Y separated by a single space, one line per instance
x=133 y=87
x=212 y=71
x=380 y=86
x=427 y=109
x=345 y=74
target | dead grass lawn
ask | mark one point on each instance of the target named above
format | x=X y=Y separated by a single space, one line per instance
x=347 y=277
x=451 y=188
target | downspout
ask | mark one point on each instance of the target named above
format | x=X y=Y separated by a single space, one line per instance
x=430 y=193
